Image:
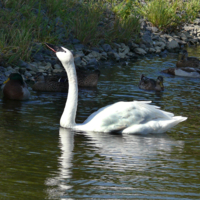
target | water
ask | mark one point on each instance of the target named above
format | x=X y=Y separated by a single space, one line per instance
x=39 y=160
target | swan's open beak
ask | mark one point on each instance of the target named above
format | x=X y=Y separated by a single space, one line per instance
x=54 y=48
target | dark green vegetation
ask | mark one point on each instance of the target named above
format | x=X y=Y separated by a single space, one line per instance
x=25 y=23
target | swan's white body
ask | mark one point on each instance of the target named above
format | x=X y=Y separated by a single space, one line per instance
x=136 y=117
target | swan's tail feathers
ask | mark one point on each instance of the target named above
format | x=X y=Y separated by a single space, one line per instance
x=154 y=126
x=168 y=124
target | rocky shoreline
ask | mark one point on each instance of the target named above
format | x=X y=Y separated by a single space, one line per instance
x=152 y=41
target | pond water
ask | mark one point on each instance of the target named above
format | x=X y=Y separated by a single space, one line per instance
x=39 y=160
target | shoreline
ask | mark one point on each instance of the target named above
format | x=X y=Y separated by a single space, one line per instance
x=152 y=42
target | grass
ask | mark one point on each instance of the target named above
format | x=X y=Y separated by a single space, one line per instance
x=167 y=15
x=26 y=22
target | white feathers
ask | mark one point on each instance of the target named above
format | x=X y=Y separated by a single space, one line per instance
x=136 y=117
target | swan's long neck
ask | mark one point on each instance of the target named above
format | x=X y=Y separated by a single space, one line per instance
x=69 y=114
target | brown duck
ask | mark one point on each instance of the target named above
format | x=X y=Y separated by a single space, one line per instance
x=188 y=61
x=59 y=83
x=15 y=88
x=150 y=84
x=183 y=71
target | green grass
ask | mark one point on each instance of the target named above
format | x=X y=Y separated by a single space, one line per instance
x=167 y=15
x=26 y=22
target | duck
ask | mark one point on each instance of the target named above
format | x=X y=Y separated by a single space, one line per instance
x=59 y=83
x=184 y=71
x=15 y=88
x=188 y=61
x=150 y=84
x=133 y=117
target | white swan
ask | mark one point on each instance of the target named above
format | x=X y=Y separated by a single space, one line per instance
x=135 y=117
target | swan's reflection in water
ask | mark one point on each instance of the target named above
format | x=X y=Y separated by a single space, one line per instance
x=104 y=154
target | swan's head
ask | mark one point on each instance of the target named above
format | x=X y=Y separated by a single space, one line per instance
x=63 y=54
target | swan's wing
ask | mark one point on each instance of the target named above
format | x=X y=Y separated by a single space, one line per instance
x=121 y=115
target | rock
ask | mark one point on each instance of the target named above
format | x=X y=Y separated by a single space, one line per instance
x=106 y=47
x=132 y=45
x=147 y=40
x=38 y=57
x=183 y=36
x=95 y=55
x=140 y=51
x=58 y=70
x=79 y=54
x=2 y=69
x=152 y=29
x=79 y=47
x=23 y=64
x=27 y=74
x=114 y=56
x=2 y=79
x=104 y=56
x=93 y=62
x=158 y=49
x=162 y=45
x=57 y=66
x=77 y=61
x=123 y=50
x=7 y=73
x=75 y=41
x=152 y=50
x=172 y=45
x=34 y=66
x=132 y=55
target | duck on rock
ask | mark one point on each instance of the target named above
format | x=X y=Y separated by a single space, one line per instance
x=15 y=88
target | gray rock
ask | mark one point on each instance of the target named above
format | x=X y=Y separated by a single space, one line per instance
x=27 y=74
x=93 y=62
x=23 y=64
x=57 y=66
x=172 y=45
x=123 y=50
x=7 y=73
x=106 y=47
x=58 y=70
x=79 y=54
x=113 y=56
x=95 y=55
x=75 y=41
x=140 y=51
x=132 y=55
x=147 y=40
x=34 y=66
x=152 y=29
x=2 y=69
x=104 y=56
x=152 y=50
x=132 y=45
x=160 y=44
x=77 y=61
x=79 y=47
